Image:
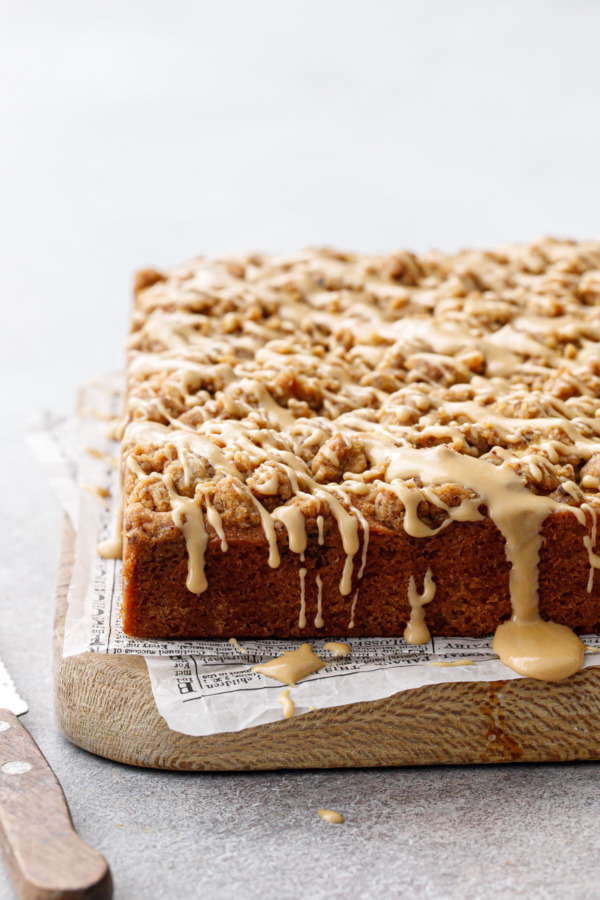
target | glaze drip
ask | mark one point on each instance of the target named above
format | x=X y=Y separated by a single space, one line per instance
x=292 y=666
x=417 y=632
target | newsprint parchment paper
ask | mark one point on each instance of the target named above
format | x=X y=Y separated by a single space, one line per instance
x=207 y=687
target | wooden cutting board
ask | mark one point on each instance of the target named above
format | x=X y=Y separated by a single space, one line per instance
x=105 y=705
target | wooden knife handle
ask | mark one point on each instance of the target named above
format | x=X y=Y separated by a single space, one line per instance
x=45 y=857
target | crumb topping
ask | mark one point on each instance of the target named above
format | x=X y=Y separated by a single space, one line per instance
x=334 y=357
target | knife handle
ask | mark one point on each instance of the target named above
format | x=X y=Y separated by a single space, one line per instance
x=45 y=857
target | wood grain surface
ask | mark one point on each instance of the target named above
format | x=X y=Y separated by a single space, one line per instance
x=105 y=705
x=45 y=857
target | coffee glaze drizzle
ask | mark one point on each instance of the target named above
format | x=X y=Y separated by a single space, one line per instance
x=417 y=632
x=331 y=816
x=450 y=664
x=338 y=649
x=287 y=703
x=320 y=391
x=292 y=666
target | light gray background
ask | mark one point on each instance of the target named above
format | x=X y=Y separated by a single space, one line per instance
x=142 y=133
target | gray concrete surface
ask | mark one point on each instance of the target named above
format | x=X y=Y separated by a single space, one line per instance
x=143 y=133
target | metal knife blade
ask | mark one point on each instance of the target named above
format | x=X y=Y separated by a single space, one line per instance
x=9 y=698
x=44 y=855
